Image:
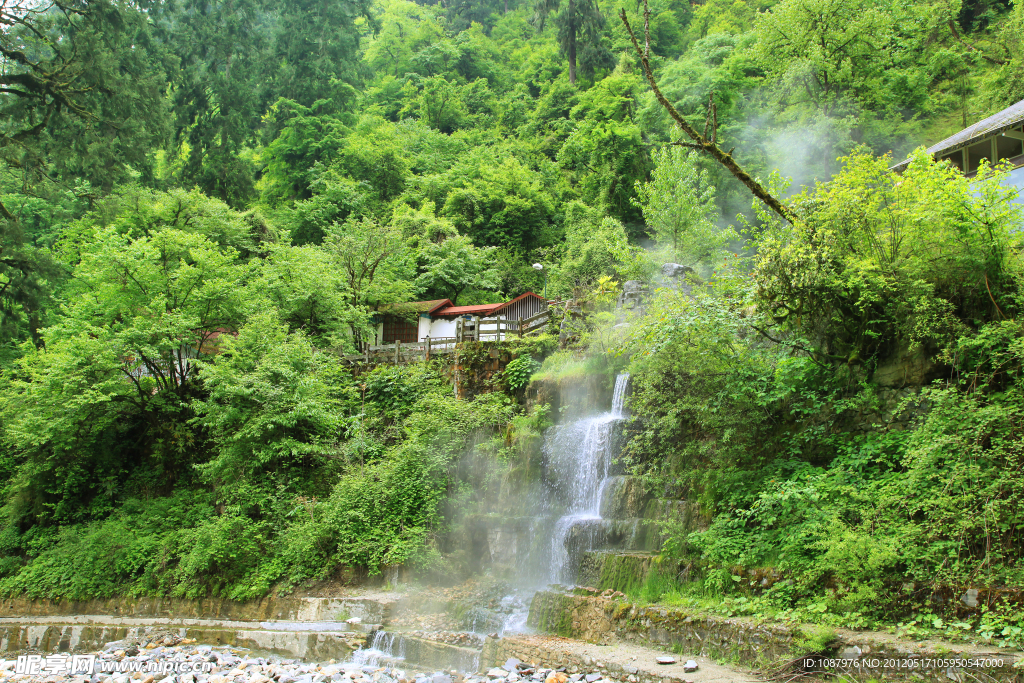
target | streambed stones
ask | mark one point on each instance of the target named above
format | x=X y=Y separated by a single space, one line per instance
x=207 y=664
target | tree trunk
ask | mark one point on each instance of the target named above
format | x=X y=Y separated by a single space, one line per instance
x=572 y=41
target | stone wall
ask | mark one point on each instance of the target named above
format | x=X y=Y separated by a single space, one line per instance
x=605 y=620
x=475 y=367
x=375 y=610
x=620 y=571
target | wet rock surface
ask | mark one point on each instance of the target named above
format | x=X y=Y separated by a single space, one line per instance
x=551 y=659
x=472 y=606
x=460 y=638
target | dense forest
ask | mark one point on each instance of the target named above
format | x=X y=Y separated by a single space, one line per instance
x=256 y=179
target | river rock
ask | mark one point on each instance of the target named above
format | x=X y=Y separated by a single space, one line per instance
x=666 y=660
x=676 y=270
x=690 y=666
x=511 y=664
x=632 y=286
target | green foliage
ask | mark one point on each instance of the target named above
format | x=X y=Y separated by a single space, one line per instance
x=309 y=292
x=595 y=246
x=274 y=403
x=119 y=364
x=373 y=261
x=886 y=260
x=495 y=201
x=454 y=265
x=304 y=137
x=519 y=371
x=579 y=26
x=204 y=204
x=830 y=498
x=679 y=207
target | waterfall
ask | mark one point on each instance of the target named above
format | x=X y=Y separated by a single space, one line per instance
x=381 y=647
x=579 y=455
x=619 y=394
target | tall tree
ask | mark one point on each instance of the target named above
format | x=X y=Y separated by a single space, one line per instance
x=81 y=104
x=316 y=50
x=679 y=207
x=221 y=45
x=579 y=25
x=81 y=91
x=455 y=265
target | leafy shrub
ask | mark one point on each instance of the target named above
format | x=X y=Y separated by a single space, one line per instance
x=519 y=371
x=884 y=259
x=755 y=399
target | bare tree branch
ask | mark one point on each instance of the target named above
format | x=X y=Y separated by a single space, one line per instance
x=973 y=48
x=701 y=142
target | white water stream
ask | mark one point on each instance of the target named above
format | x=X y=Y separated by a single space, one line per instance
x=580 y=454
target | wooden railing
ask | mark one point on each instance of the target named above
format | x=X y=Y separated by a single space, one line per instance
x=480 y=329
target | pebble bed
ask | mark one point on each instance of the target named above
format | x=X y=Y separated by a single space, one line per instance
x=134 y=662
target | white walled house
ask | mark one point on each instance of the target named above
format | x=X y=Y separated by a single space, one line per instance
x=413 y=321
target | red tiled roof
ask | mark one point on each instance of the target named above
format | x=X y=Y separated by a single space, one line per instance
x=479 y=309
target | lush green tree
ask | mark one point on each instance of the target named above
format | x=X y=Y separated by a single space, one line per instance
x=135 y=212
x=405 y=28
x=496 y=201
x=82 y=92
x=375 y=154
x=1014 y=32
x=374 y=262
x=436 y=101
x=316 y=51
x=308 y=291
x=889 y=261
x=679 y=207
x=303 y=138
x=26 y=274
x=274 y=403
x=335 y=199
x=579 y=24
x=454 y=265
x=823 y=56
x=422 y=226
x=107 y=399
x=218 y=94
x=605 y=153
x=595 y=246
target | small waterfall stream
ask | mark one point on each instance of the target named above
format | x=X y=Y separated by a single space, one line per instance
x=579 y=459
x=380 y=648
x=580 y=456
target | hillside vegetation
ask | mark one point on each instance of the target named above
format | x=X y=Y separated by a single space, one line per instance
x=254 y=179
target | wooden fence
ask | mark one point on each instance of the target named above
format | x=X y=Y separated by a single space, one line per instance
x=477 y=329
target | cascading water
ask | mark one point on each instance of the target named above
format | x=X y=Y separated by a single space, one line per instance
x=381 y=647
x=580 y=456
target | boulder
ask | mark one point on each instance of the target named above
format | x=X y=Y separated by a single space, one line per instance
x=676 y=270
